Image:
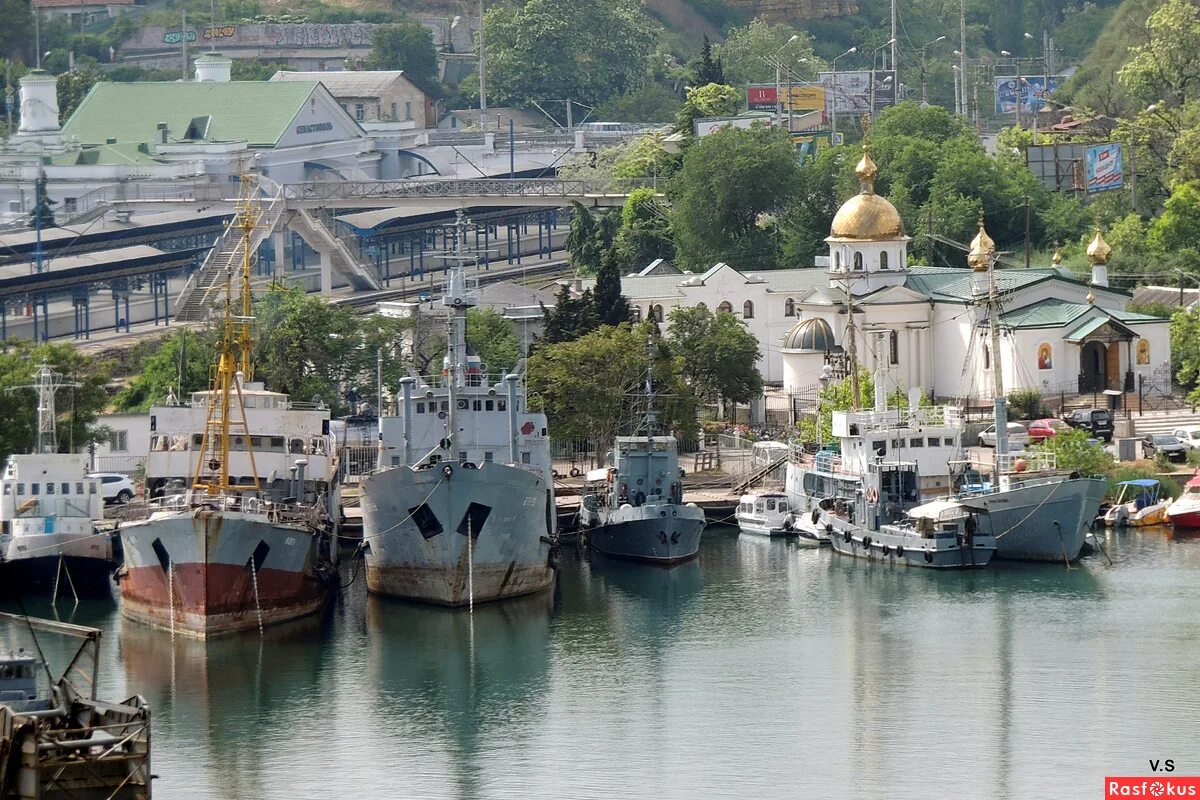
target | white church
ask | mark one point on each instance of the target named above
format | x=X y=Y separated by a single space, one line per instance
x=1059 y=334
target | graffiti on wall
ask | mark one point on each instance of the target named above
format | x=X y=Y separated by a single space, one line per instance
x=276 y=36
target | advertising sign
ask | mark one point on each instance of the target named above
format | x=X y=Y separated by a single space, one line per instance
x=761 y=97
x=1033 y=92
x=851 y=91
x=1105 y=169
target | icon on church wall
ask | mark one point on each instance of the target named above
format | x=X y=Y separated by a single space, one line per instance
x=1046 y=356
x=1143 y=352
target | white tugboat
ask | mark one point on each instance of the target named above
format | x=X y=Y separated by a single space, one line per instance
x=48 y=510
x=464 y=512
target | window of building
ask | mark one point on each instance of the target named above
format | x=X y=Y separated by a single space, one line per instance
x=394 y=117
x=488 y=457
x=359 y=114
x=525 y=457
x=883 y=262
x=748 y=310
x=420 y=408
x=658 y=313
x=462 y=455
x=20 y=489
x=70 y=205
x=35 y=488
x=453 y=122
x=789 y=307
x=66 y=488
x=118 y=441
x=79 y=487
x=725 y=306
x=918 y=442
x=987 y=357
x=893 y=347
x=858 y=262
x=490 y=405
x=408 y=110
x=49 y=487
x=837 y=261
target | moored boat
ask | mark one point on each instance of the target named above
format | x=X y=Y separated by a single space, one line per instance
x=765 y=514
x=942 y=534
x=1138 y=504
x=1184 y=512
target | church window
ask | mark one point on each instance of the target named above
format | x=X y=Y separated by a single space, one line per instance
x=883 y=263
x=748 y=310
x=893 y=347
x=725 y=306
x=789 y=307
x=858 y=262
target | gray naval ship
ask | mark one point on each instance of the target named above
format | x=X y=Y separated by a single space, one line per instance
x=634 y=508
x=461 y=509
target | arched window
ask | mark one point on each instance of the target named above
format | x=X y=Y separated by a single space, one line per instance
x=857 y=261
x=837 y=261
x=656 y=313
x=747 y=310
x=789 y=307
x=725 y=306
x=883 y=260
x=987 y=357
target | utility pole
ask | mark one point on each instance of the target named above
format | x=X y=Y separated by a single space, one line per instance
x=183 y=41
x=1028 y=242
x=962 y=55
x=482 y=78
x=8 y=95
x=37 y=34
x=892 y=61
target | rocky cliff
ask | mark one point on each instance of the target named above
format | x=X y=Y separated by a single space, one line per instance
x=795 y=10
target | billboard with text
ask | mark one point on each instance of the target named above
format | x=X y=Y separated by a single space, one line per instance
x=851 y=91
x=1034 y=91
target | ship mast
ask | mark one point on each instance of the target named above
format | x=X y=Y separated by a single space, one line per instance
x=226 y=409
x=47 y=383
x=982 y=258
x=458 y=297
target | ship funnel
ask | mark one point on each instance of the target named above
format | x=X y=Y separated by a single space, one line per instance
x=513 y=444
x=406 y=396
x=301 y=463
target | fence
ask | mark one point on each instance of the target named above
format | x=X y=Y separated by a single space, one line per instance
x=358 y=460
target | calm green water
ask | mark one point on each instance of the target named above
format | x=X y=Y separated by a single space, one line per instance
x=761 y=671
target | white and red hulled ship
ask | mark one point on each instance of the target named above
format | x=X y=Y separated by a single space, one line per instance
x=243 y=497
x=1184 y=512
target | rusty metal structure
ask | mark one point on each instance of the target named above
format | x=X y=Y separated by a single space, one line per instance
x=70 y=745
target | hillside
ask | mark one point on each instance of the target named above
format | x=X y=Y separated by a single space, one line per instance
x=1096 y=86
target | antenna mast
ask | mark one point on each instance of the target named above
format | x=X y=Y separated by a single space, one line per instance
x=47 y=383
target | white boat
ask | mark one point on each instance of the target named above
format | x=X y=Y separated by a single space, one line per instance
x=1185 y=511
x=1138 y=504
x=48 y=510
x=765 y=514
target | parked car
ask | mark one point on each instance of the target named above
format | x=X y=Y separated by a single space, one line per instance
x=115 y=487
x=1189 y=437
x=1097 y=421
x=1042 y=429
x=1017 y=435
x=1166 y=444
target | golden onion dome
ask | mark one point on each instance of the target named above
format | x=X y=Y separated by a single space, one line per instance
x=867 y=216
x=1056 y=259
x=983 y=250
x=1091 y=298
x=1098 y=251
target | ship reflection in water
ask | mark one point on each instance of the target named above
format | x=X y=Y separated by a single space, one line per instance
x=759 y=669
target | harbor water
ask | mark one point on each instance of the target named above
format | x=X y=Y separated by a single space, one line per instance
x=760 y=670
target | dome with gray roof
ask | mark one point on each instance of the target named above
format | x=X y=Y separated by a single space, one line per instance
x=811 y=335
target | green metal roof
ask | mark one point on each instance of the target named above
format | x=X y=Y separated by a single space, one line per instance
x=1092 y=325
x=953 y=284
x=1048 y=313
x=256 y=112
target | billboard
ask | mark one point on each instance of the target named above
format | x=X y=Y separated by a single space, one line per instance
x=851 y=91
x=1104 y=166
x=762 y=97
x=1033 y=92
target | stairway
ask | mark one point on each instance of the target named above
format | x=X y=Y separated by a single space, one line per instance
x=757 y=475
x=1163 y=422
x=342 y=260
x=226 y=254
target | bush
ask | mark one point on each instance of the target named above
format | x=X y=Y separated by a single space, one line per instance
x=1163 y=462
x=1143 y=469
x=1193 y=457
x=1027 y=404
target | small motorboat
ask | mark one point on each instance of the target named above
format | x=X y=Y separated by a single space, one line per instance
x=941 y=534
x=1185 y=511
x=1139 y=503
x=765 y=514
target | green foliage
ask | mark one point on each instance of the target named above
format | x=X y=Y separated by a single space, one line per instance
x=590 y=237
x=582 y=50
x=728 y=179
x=1179 y=226
x=251 y=69
x=1163 y=462
x=1026 y=404
x=1185 y=350
x=1165 y=67
x=16 y=34
x=712 y=100
x=1193 y=457
x=1169 y=487
x=42 y=212
x=1073 y=452
x=77 y=408
x=571 y=317
x=184 y=353
x=407 y=46
x=840 y=397
x=592 y=387
x=611 y=306
x=492 y=338
x=72 y=88
x=743 y=52
x=720 y=355
x=645 y=233
x=645 y=157
x=708 y=69
x=649 y=101
x=805 y=223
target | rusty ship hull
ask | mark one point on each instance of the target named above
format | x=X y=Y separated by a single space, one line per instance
x=204 y=573
x=416 y=524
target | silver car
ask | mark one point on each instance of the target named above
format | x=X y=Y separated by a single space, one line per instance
x=1017 y=434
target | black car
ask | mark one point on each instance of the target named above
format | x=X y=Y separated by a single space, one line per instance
x=1096 y=421
x=1166 y=444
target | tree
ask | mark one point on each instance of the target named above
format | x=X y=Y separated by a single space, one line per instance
x=176 y=363
x=728 y=179
x=645 y=233
x=713 y=100
x=492 y=338
x=720 y=355
x=647 y=102
x=1074 y=451
x=590 y=237
x=251 y=69
x=582 y=50
x=571 y=317
x=77 y=407
x=407 y=46
x=72 y=87
x=840 y=397
x=592 y=387
x=1185 y=350
x=42 y=213
x=1165 y=68
x=747 y=51
x=611 y=306
x=1179 y=226
x=708 y=70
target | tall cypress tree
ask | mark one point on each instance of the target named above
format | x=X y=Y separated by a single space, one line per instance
x=611 y=306
x=709 y=70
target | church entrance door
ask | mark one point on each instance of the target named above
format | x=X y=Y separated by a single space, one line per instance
x=1093 y=367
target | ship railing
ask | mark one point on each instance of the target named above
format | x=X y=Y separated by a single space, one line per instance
x=907 y=417
x=1027 y=461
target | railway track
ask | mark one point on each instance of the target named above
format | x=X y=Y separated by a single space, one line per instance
x=495 y=275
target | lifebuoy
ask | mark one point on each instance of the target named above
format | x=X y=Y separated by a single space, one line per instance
x=867 y=542
x=872 y=495
x=448 y=472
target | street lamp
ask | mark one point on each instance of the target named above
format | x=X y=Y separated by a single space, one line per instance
x=833 y=138
x=924 y=79
x=778 y=65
